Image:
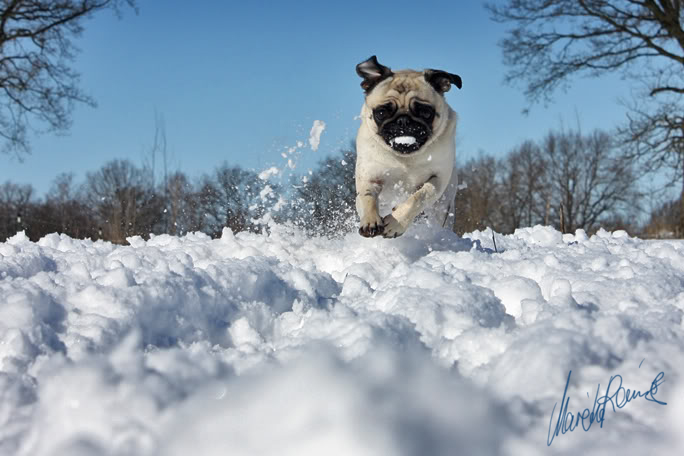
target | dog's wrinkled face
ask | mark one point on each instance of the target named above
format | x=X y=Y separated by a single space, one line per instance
x=407 y=128
x=405 y=108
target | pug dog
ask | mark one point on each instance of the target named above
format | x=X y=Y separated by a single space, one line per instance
x=405 y=149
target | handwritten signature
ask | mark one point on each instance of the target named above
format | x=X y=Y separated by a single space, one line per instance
x=567 y=422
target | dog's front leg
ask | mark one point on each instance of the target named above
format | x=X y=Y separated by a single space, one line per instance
x=367 y=206
x=396 y=223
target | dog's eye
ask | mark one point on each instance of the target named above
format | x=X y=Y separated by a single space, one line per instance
x=426 y=112
x=381 y=113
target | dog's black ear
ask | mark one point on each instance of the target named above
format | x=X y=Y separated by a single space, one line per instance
x=441 y=80
x=372 y=73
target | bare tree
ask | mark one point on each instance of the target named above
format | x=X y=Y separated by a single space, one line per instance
x=124 y=199
x=37 y=82
x=591 y=180
x=664 y=220
x=15 y=200
x=181 y=203
x=60 y=196
x=235 y=198
x=525 y=193
x=555 y=40
x=159 y=147
x=62 y=211
x=478 y=203
x=587 y=175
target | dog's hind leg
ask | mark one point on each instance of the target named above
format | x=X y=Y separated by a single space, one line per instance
x=403 y=215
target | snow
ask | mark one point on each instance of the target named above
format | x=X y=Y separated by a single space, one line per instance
x=268 y=173
x=283 y=344
x=265 y=193
x=405 y=140
x=315 y=134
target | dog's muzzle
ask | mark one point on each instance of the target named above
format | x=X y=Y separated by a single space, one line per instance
x=405 y=134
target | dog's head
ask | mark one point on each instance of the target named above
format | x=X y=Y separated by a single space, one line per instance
x=405 y=108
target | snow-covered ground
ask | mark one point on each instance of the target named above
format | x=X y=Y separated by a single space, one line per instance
x=280 y=344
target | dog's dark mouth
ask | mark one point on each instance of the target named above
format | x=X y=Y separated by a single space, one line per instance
x=405 y=135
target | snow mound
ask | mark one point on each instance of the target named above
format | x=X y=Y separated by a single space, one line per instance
x=284 y=344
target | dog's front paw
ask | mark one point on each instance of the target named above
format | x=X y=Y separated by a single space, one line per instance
x=393 y=228
x=371 y=226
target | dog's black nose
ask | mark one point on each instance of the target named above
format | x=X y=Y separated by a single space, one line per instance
x=403 y=121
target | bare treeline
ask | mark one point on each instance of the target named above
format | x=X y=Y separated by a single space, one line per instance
x=121 y=200
x=567 y=179
x=549 y=43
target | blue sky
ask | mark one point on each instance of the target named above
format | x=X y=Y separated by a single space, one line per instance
x=242 y=81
